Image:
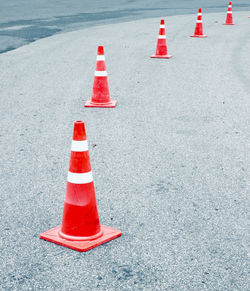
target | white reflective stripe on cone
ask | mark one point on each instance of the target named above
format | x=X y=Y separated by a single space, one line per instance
x=100 y=58
x=230 y=12
x=230 y=6
x=79 y=145
x=101 y=73
x=161 y=36
x=80 y=178
x=199 y=14
x=162 y=26
x=198 y=21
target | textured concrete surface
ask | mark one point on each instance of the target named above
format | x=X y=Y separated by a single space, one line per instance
x=25 y=21
x=170 y=165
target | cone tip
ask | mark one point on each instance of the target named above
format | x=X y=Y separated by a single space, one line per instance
x=230 y=3
x=200 y=10
x=100 y=50
x=79 y=131
x=162 y=21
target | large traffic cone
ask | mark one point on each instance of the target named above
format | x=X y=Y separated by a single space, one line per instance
x=229 y=19
x=161 y=49
x=100 y=95
x=199 y=26
x=80 y=229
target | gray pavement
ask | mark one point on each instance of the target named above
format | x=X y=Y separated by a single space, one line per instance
x=26 y=21
x=170 y=165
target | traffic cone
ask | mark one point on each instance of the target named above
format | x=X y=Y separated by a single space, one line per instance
x=100 y=95
x=161 y=49
x=80 y=229
x=229 y=19
x=199 y=27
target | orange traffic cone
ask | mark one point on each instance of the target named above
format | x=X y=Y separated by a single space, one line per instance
x=229 y=19
x=100 y=95
x=80 y=229
x=199 y=26
x=161 y=49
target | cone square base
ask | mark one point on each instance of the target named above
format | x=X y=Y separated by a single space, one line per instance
x=52 y=235
x=161 y=57
x=199 y=36
x=110 y=104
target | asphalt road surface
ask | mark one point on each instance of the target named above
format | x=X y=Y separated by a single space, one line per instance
x=170 y=165
x=25 y=21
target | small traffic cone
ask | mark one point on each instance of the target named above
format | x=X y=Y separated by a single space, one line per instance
x=80 y=229
x=229 y=19
x=100 y=95
x=161 y=49
x=199 y=26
